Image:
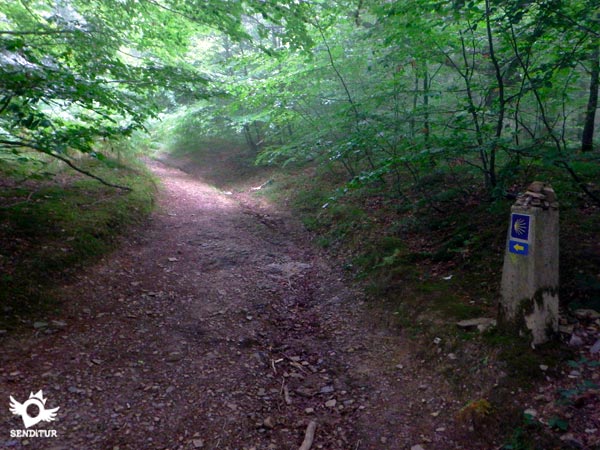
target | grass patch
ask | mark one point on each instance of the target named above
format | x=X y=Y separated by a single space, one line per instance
x=49 y=227
x=521 y=362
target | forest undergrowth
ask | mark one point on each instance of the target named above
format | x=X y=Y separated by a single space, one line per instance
x=54 y=220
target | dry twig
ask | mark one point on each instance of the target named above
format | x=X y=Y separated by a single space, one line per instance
x=309 y=436
x=286 y=394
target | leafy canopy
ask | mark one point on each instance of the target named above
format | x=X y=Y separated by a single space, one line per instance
x=75 y=71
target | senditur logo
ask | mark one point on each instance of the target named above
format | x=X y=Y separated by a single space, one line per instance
x=43 y=414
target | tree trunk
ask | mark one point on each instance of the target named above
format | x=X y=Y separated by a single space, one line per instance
x=587 y=139
x=251 y=144
x=426 y=103
x=415 y=103
x=412 y=121
x=501 y=100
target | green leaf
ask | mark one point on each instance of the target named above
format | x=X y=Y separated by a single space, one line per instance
x=558 y=423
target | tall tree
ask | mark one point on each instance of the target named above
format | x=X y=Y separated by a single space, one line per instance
x=587 y=137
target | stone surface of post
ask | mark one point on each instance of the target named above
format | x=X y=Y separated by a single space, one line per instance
x=529 y=291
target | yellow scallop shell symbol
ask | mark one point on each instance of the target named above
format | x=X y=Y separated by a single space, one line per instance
x=520 y=226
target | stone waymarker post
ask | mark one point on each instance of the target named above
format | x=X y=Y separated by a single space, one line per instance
x=529 y=291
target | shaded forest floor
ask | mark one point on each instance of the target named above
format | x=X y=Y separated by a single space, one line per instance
x=191 y=335
x=220 y=324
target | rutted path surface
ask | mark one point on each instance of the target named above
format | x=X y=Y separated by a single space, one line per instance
x=218 y=327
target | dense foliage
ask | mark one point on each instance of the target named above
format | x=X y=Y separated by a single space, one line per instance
x=74 y=72
x=397 y=90
x=388 y=91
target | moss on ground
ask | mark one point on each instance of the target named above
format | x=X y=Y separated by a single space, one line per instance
x=49 y=226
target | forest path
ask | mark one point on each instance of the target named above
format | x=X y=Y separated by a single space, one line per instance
x=219 y=326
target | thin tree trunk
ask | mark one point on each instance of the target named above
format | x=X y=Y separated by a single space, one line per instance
x=249 y=139
x=357 y=118
x=357 y=20
x=466 y=76
x=587 y=139
x=542 y=112
x=426 y=102
x=415 y=102
x=501 y=100
x=257 y=131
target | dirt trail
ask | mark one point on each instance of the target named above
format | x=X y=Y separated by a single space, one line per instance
x=218 y=326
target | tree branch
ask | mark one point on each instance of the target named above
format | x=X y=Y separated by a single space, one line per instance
x=89 y=174
x=67 y=161
x=36 y=33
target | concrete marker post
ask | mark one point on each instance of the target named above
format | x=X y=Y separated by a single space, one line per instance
x=529 y=290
